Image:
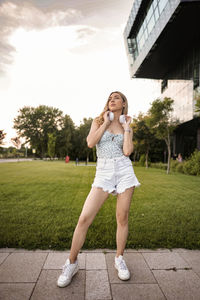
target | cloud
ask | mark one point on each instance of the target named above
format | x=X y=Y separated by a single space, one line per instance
x=25 y=15
x=32 y=17
x=85 y=31
x=41 y=14
x=6 y=51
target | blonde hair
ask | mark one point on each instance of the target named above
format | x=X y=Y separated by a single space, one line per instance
x=100 y=118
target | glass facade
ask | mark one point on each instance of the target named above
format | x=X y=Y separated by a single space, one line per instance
x=188 y=67
x=181 y=91
x=155 y=31
x=153 y=12
x=185 y=82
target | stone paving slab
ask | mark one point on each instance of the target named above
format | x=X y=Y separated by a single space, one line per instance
x=155 y=275
x=147 y=291
x=47 y=289
x=97 y=285
x=165 y=260
x=179 y=285
x=22 y=267
x=95 y=261
x=16 y=291
x=3 y=256
x=140 y=272
x=193 y=259
x=57 y=260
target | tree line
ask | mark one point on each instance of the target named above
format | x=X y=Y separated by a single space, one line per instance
x=53 y=134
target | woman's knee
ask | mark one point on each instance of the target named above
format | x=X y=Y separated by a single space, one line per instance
x=122 y=218
x=84 y=221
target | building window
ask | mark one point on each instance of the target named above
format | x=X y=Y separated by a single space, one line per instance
x=151 y=24
x=162 y=4
x=132 y=48
x=149 y=13
x=156 y=13
x=196 y=76
x=149 y=20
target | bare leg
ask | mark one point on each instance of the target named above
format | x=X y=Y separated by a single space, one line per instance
x=93 y=203
x=122 y=212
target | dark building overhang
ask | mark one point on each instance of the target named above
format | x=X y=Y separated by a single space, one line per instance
x=188 y=128
x=173 y=41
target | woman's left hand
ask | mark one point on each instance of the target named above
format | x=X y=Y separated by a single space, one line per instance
x=126 y=125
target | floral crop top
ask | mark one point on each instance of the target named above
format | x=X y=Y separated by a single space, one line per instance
x=110 y=145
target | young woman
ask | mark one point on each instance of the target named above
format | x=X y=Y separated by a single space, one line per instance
x=114 y=174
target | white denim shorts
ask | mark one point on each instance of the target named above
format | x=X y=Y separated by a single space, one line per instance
x=115 y=175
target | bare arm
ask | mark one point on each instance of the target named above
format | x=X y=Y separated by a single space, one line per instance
x=97 y=131
x=128 y=138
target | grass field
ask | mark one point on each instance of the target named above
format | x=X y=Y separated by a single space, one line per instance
x=40 y=203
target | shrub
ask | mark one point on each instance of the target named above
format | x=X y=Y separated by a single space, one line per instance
x=174 y=164
x=142 y=160
x=192 y=165
x=179 y=167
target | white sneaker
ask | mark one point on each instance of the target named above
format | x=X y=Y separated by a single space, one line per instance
x=69 y=270
x=120 y=265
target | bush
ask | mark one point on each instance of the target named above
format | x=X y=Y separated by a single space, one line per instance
x=174 y=164
x=136 y=163
x=179 y=167
x=192 y=165
x=142 y=160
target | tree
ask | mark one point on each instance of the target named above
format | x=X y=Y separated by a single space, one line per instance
x=51 y=144
x=65 y=137
x=34 y=123
x=197 y=105
x=2 y=137
x=17 y=143
x=81 y=148
x=161 y=123
x=143 y=137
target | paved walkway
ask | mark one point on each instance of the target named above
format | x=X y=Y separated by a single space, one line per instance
x=6 y=160
x=155 y=275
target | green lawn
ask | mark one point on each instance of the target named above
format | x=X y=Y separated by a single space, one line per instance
x=40 y=203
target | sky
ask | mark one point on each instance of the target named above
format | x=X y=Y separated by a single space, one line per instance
x=68 y=54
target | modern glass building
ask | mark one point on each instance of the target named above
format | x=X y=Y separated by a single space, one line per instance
x=162 y=39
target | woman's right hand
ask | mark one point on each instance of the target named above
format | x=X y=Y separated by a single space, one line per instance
x=97 y=131
x=106 y=118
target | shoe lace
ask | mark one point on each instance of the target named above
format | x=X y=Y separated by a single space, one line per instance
x=122 y=265
x=65 y=269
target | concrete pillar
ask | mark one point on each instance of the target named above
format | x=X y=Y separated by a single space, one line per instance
x=174 y=144
x=198 y=138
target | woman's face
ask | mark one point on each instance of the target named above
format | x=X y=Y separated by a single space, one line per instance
x=115 y=102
